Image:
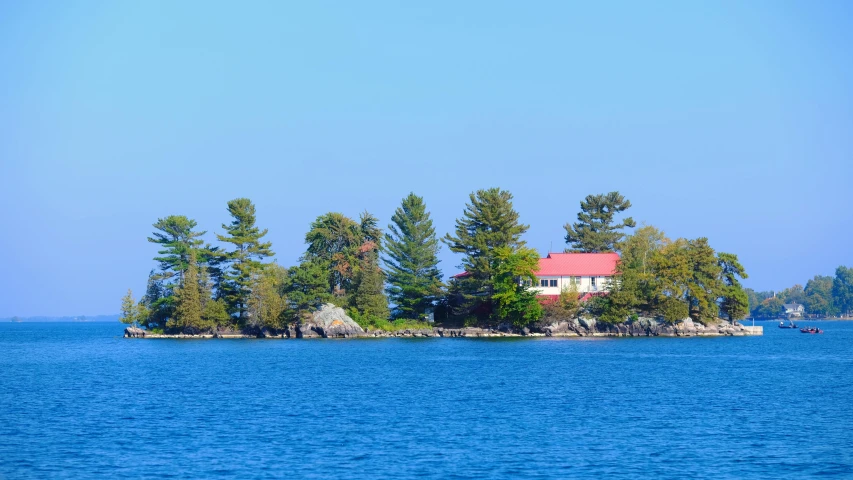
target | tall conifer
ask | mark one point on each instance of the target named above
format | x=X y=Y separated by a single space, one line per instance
x=595 y=230
x=488 y=222
x=245 y=259
x=411 y=259
x=188 y=305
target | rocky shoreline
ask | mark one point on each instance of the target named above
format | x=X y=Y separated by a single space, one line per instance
x=333 y=323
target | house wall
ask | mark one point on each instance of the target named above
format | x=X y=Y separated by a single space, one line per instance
x=602 y=285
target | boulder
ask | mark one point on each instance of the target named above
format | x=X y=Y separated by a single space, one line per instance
x=588 y=324
x=134 y=332
x=686 y=327
x=330 y=322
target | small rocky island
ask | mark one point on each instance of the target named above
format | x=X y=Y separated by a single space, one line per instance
x=333 y=322
x=356 y=280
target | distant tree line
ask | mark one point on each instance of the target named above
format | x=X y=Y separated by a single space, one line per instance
x=393 y=276
x=823 y=296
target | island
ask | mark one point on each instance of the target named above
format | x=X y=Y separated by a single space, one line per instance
x=356 y=280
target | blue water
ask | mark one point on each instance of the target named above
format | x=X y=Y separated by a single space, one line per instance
x=78 y=401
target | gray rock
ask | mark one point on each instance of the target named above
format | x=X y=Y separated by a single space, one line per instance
x=330 y=322
x=685 y=327
x=134 y=332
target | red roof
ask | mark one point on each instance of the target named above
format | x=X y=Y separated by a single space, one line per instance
x=573 y=265
x=578 y=264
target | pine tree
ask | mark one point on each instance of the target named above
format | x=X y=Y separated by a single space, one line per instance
x=488 y=222
x=307 y=287
x=129 y=310
x=177 y=239
x=368 y=296
x=246 y=257
x=734 y=302
x=343 y=248
x=595 y=230
x=267 y=302
x=188 y=306
x=411 y=250
x=333 y=240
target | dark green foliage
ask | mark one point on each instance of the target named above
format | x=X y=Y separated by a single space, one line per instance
x=245 y=259
x=674 y=280
x=735 y=302
x=595 y=230
x=307 y=287
x=488 y=222
x=411 y=249
x=514 y=300
x=176 y=238
x=348 y=251
x=188 y=304
x=368 y=296
x=158 y=301
x=334 y=240
x=842 y=289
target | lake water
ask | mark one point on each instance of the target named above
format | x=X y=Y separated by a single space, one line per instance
x=79 y=401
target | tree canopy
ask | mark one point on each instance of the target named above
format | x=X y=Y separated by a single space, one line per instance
x=245 y=260
x=411 y=259
x=489 y=222
x=596 y=230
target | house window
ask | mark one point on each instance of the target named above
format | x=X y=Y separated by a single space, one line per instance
x=543 y=283
x=576 y=280
x=553 y=283
x=592 y=281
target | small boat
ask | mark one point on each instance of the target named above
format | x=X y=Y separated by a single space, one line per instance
x=790 y=324
x=811 y=330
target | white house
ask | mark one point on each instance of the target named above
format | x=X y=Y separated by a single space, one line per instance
x=794 y=310
x=590 y=273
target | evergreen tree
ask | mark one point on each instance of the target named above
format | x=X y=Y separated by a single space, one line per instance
x=215 y=314
x=349 y=252
x=368 y=297
x=176 y=238
x=307 y=287
x=188 y=305
x=268 y=302
x=595 y=230
x=333 y=240
x=488 y=222
x=411 y=259
x=158 y=301
x=131 y=313
x=245 y=259
x=735 y=302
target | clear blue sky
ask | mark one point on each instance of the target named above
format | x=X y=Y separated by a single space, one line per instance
x=731 y=120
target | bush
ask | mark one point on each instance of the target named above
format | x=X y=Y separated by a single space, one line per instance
x=373 y=322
